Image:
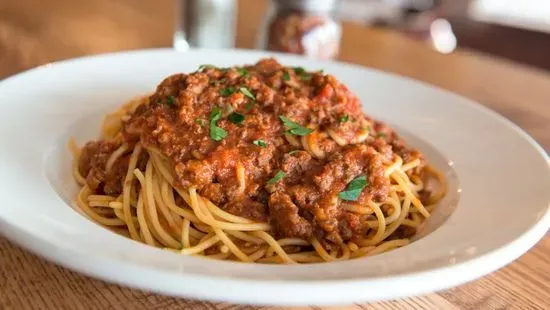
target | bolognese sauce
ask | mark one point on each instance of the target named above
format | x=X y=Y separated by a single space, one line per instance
x=273 y=144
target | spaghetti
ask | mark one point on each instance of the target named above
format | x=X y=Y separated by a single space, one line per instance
x=264 y=163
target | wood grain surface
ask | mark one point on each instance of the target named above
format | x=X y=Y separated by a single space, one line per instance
x=34 y=32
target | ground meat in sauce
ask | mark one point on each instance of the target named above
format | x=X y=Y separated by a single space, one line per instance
x=304 y=203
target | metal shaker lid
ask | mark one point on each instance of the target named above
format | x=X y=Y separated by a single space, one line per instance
x=307 y=5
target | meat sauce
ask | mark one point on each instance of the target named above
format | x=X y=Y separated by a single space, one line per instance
x=304 y=203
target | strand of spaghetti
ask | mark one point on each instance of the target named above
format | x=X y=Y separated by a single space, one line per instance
x=401 y=220
x=244 y=236
x=362 y=251
x=126 y=190
x=411 y=165
x=157 y=162
x=288 y=241
x=258 y=254
x=168 y=198
x=393 y=167
x=226 y=216
x=388 y=245
x=168 y=216
x=222 y=225
x=273 y=243
x=194 y=233
x=114 y=156
x=103 y=204
x=205 y=244
x=85 y=191
x=120 y=215
x=321 y=251
x=409 y=223
x=101 y=198
x=197 y=204
x=414 y=200
x=165 y=237
x=381 y=227
x=116 y=205
x=396 y=212
x=442 y=182
x=144 y=229
x=303 y=257
x=220 y=256
x=410 y=185
x=185 y=233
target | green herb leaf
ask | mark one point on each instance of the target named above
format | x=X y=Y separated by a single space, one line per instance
x=304 y=76
x=260 y=143
x=293 y=152
x=380 y=134
x=299 y=70
x=278 y=176
x=236 y=118
x=216 y=133
x=228 y=91
x=206 y=66
x=354 y=189
x=344 y=118
x=321 y=71
x=286 y=76
x=247 y=93
x=295 y=128
x=200 y=121
x=242 y=71
x=171 y=101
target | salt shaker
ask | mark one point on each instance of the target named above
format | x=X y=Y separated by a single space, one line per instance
x=204 y=23
x=306 y=27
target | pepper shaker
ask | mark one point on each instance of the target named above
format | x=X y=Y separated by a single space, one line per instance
x=305 y=27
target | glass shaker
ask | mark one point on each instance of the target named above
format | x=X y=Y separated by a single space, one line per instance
x=204 y=24
x=305 y=27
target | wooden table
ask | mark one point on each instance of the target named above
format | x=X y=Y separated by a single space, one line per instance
x=34 y=32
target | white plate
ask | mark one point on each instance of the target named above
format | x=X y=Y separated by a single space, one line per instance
x=503 y=176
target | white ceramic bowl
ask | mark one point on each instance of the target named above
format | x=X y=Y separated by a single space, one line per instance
x=501 y=173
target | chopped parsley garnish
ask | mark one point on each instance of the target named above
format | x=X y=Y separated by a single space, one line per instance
x=236 y=118
x=321 y=71
x=228 y=91
x=278 y=176
x=247 y=93
x=304 y=76
x=200 y=121
x=354 y=189
x=344 y=118
x=299 y=70
x=295 y=128
x=242 y=71
x=216 y=133
x=380 y=134
x=171 y=101
x=293 y=152
x=260 y=143
x=206 y=66
x=286 y=76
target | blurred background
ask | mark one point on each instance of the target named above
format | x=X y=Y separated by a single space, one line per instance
x=34 y=32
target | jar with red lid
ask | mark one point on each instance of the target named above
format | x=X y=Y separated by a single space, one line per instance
x=305 y=27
